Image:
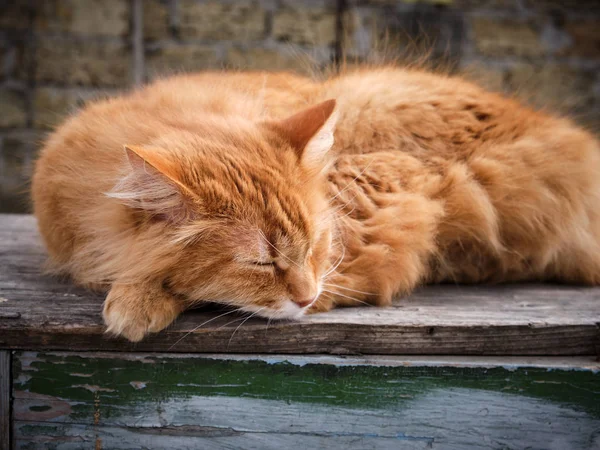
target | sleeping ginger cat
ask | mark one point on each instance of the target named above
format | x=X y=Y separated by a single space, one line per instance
x=281 y=195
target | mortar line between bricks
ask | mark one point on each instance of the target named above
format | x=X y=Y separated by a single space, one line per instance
x=31 y=65
x=138 y=41
x=338 y=55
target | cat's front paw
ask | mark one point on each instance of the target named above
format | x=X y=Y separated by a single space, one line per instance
x=132 y=311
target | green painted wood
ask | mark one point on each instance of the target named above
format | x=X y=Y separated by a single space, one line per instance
x=76 y=437
x=66 y=400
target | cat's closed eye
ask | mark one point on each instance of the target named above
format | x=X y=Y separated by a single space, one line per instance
x=265 y=264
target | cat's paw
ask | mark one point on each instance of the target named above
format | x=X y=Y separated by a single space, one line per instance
x=133 y=311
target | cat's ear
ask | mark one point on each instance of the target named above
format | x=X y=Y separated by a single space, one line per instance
x=311 y=132
x=153 y=184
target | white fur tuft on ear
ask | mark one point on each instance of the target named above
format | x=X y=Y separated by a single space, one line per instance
x=319 y=145
x=310 y=133
x=146 y=188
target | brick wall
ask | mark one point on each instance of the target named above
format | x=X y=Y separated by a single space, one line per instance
x=57 y=54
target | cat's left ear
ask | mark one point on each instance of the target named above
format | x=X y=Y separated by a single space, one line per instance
x=153 y=183
x=310 y=132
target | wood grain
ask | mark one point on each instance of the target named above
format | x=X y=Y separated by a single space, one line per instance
x=5 y=394
x=77 y=436
x=40 y=312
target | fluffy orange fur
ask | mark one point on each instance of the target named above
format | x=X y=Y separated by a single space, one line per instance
x=230 y=187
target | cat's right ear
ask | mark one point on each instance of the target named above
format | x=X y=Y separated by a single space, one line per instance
x=153 y=184
x=310 y=133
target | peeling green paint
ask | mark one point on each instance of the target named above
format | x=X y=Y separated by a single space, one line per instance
x=41 y=408
x=39 y=430
x=118 y=381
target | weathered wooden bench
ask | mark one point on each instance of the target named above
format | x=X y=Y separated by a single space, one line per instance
x=450 y=367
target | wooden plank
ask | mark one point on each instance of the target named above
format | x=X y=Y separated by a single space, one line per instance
x=579 y=363
x=5 y=407
x=76 y=436
x=40 y=312
x=66 y=400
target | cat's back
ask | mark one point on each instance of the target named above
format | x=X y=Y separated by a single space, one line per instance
x=422 y=112
x=508 y=175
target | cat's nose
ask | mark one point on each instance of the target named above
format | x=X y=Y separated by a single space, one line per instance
x=304 y=303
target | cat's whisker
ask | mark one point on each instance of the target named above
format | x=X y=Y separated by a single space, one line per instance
x=353 y=180
x=337 y=264
x=333 y=212
x=348 y=289
x=200 y=326
x=348 y=297
x=247 y=318
x=333 y=269
x=268 y=323
x=343 y=205
x=347 y=214
x=233 y=321
x=239 y=318
x=336 y=210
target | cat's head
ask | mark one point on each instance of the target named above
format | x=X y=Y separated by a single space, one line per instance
x=244 y=209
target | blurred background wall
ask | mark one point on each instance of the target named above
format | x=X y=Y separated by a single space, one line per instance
x=57 y=54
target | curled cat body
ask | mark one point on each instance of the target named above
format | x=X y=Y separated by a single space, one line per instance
x=282 y=195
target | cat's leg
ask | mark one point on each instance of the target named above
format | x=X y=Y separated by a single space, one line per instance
x=542 y=198
x=133 y=310
x=578 y=260
x=374 y=278
x=578 y=257
x=323 y=303
x=346 y=290
x=386 y=255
